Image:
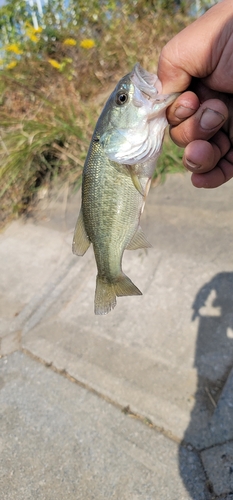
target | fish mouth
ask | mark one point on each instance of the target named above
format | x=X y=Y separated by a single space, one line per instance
x=151 y=87
x=145 y=81
x=162 y=102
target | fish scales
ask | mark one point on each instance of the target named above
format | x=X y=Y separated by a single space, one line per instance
x=111 y=211
x=116 y=178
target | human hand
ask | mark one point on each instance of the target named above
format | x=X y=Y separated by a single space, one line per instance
x=200 y=58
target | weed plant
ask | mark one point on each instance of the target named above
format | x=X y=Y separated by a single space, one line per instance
x=54 y=82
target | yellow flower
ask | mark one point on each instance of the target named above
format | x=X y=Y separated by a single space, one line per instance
x=55 y=63
x=33 y=37
x=38 y=30
x=14 y=48
x=31 y=32
x=69 y=41
x=87 y=43
x=12 y=65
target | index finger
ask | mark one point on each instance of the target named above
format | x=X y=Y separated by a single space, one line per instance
x=182 y=108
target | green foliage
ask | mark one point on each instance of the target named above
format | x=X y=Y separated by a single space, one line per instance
x=48 y=143
x=170 y=161
x=55 y=79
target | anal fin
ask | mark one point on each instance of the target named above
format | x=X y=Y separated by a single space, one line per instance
x=138 y=241
x=81 y=241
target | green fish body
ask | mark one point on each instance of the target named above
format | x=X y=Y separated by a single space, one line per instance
x=116 y=180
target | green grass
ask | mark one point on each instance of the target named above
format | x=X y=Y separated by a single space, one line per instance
x=47 y=114
x=170 y=161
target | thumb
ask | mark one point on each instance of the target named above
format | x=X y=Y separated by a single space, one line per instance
x=173 y=76
x=196 y=50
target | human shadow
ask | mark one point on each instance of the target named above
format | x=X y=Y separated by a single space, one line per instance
x=213 y=309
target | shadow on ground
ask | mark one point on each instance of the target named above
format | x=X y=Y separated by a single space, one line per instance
x=213 y=310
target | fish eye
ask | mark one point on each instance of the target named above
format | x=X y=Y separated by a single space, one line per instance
x=121 y=98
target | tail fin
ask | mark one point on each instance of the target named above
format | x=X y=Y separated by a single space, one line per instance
x=106 y=293
x=124 y=286
x=105 y=297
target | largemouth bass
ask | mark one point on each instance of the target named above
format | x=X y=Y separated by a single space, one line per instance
x=122 y=156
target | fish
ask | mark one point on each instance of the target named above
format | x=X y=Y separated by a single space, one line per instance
x=120 y=163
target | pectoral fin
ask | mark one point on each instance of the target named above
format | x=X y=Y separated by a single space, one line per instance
x=81 y=241
x=136 y=181
x=138 y=241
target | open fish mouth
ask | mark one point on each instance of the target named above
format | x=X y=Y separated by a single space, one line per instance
x=151 y=87
x=145 y=81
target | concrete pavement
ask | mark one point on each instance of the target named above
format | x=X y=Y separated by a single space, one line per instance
x=137 y=404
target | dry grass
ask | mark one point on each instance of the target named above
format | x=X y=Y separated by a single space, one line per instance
x=47 y=116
